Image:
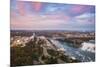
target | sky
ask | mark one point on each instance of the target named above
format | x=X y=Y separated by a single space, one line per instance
x=27 y=15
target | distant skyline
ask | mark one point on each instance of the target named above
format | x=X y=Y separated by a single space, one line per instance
x=27 y=15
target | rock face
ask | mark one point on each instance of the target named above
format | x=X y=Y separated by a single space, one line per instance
x=38 y=51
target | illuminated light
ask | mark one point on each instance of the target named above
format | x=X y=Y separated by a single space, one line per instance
x=18 y=41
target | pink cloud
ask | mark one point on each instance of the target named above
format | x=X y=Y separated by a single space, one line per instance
x=37 y=6
x=38 y=21
x=77 y=9
x=21 y=7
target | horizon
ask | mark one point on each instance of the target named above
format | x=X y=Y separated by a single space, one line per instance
x=53 y=30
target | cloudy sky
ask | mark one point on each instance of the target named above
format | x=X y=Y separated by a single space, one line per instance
x=26 y=15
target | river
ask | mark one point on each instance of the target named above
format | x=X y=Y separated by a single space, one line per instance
x=78 y=53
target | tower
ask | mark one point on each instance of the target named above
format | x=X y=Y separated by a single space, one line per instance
x=33 y=35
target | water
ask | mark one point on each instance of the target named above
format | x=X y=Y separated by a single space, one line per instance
x=78 y=53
